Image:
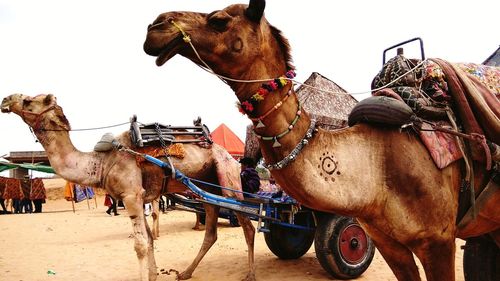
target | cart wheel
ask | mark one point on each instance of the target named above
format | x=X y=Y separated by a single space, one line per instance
x=288 y=242
x=481 y=260
x=342 y=247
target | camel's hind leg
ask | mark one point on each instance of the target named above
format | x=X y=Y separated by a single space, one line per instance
x=398 y=257
x=156 y=218
x=212 y=214
x=249 y=231
x=143 y=238
x=438 y=259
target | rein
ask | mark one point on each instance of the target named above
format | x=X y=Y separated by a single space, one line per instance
x=37 y=116
x=38 y=119
x=207 y=68
x=248 y=105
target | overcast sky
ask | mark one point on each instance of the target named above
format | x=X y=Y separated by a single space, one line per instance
x=89 y=55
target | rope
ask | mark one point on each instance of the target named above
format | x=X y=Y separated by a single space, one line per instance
x=89 y=129
x=207 y=68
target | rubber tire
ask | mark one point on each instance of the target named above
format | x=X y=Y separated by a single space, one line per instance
x=481 y=260
x=328 y=249
x=380 y=110
x=290 y=243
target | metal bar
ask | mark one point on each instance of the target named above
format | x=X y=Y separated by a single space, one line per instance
x=175 y=141
x=210 y=198
x=137 y=133
x=405 y=42
x=164 y=131
x=187 y=209
x=177 y=127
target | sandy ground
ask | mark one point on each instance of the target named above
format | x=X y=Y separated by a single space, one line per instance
x=90 y=245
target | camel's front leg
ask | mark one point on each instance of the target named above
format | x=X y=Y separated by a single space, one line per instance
x=398 y=257
x=212 y=214
x=143 y=238
x=249 y=231
x=156 y=218
x=438 y=259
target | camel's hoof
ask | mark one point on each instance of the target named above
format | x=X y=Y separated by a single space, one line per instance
x=183 y=276
x=250 y=277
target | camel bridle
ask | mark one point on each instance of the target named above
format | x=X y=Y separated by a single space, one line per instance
x=38 y=116
x=312 y=126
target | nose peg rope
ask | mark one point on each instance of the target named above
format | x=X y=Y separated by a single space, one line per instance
x=207 y=68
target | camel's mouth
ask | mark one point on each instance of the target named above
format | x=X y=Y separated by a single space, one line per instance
x=5 y=108
x=167 y=51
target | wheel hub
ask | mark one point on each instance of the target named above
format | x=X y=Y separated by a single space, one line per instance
x=353 y=244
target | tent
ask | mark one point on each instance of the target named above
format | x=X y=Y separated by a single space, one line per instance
x=494 y=59
x=224 y=137
x=37 y=167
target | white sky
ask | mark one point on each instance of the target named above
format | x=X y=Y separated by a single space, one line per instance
x=89 y=55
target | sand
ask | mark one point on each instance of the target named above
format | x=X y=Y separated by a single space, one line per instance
x=89 y=245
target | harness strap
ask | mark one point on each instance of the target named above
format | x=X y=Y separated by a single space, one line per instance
x=38 y=116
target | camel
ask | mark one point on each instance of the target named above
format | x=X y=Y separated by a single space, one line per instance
x=118 y=172
x=378 y=174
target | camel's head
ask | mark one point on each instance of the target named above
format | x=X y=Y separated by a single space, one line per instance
x=236 y=41
x=39 y=112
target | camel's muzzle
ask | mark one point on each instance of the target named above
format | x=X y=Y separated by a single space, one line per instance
x=5 y=106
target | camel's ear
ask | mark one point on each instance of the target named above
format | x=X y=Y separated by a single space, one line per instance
x=48 y=99
x=255 y=10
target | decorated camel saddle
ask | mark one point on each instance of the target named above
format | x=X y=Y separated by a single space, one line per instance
x=156 y=139
x=443 y=98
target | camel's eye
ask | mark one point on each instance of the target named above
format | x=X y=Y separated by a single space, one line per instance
x=219 y=20
x=26 y=103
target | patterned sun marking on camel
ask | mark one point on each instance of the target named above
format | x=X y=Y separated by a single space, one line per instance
x=328 y=166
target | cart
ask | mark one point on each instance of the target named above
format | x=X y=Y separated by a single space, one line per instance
x=342 y=247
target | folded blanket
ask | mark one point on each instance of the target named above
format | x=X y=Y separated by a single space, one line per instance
x=474 y=103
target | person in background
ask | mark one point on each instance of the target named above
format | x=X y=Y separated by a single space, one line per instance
x=148 y=209
x=250 y=180
x=111 y=203
x=13 y=192
x=26 y=203
x=38 y=194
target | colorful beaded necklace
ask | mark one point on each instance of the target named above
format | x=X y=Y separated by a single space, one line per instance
x=271 y=110
x=249 y=105
x=282 y=134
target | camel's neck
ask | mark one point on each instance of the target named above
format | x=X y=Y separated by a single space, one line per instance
x=285 y=124
x=296 y=177
x=67 y=161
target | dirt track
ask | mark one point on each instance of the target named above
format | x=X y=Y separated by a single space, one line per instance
x=90 y=245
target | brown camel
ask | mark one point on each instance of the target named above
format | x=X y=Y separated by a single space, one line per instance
x=119 y=174
x=378 y=174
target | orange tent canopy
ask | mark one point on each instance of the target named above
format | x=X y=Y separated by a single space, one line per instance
x=224 y=137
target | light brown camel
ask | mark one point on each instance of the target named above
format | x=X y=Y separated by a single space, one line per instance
x=381 y=176
x=119 y=174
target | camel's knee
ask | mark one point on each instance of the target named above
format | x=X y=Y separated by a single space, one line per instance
x=210 y=239
x=141 y=248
